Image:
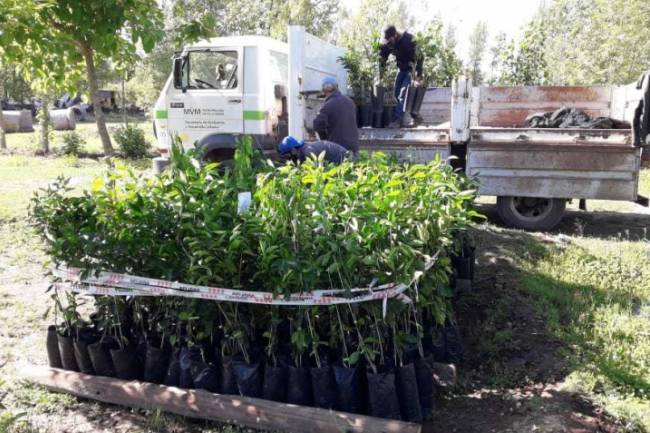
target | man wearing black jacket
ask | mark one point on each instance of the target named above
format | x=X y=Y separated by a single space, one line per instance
x=402 y=46
x=337 y=119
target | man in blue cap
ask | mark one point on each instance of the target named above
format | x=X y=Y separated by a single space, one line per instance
x=300 y=150
x=337 y=119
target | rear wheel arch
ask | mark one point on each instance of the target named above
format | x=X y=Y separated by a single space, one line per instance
x=218 y=147
x=221 y=147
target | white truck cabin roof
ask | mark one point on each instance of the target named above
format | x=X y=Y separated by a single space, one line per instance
x=263 y=42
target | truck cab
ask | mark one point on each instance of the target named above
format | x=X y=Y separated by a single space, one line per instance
x=222 y=88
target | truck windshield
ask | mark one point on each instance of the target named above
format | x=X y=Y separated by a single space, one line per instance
x=212 y=69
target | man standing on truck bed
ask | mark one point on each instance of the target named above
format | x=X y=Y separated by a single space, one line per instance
x=337 y=119
x=402 y=46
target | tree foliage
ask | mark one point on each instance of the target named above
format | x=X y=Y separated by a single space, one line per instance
x=55 y=42
x=360 y=34
x=12 y=84
x=477 y=46
x=260 y=17
x=441 y=63
x=596 y=41
x=522 y=63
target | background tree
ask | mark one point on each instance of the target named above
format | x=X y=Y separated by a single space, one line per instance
x=450 y=37
x=3 y=138
x=152 y=70
x=260 y=17
x=14 y=85
x=441 y=63
x=523 y=63
x=56 y=40
x=477 y=45
x=596 y=41
x=499 y=46
x=360 y=29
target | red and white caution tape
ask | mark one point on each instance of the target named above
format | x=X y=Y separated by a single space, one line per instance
x=116 y=284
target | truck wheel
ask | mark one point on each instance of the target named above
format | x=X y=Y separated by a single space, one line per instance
x=531 y=213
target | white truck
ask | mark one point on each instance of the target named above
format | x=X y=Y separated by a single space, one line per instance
x=222 y=88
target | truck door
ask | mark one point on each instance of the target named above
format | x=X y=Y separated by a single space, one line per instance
x=310 y=60
x=211 y=98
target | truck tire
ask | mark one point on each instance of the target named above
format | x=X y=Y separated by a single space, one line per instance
x=530 y=213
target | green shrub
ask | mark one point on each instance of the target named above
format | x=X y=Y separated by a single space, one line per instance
x=310 y=226
x=72 y=143
x=131 y=141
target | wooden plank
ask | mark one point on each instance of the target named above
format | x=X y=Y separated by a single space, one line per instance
x=245 y=411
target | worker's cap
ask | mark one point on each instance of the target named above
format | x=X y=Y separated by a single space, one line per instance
x=389 y=32
x=329 y=82
x=289 y=143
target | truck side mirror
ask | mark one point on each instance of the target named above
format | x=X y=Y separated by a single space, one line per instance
x=178 y=72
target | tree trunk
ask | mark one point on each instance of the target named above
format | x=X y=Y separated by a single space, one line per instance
x=3 y=139
x=44 y=119
x=97 y=108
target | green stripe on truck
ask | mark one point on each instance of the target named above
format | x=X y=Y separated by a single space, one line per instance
x=254 y=115
x=161 y=114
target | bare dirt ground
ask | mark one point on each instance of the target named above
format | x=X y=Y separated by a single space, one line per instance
x=519 y=388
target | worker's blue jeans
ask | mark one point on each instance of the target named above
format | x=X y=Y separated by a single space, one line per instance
x=402 y=81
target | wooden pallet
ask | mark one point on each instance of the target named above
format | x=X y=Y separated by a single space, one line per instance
x=244 y=411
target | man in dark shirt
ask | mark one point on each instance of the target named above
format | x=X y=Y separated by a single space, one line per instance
x=402 y=46
x=337 y=119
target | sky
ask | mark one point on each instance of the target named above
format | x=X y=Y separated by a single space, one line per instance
x=500 y=15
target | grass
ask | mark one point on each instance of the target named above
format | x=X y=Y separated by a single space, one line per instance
x=22 y=175
x=595 y=295
x=28 y=142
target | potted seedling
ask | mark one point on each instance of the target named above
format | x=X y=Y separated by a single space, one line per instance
x=156 y=360
x=52 y=341
x=237 y=363
x=124 y=356
x=406 y=378
x=360 y=77
x=382 y=393
x=99 y=351
x=347 y=373
x=66 y=330
x=299 y=380
x=322 y=378
x=423 y=366
x=275 y=374
x=204 y=374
